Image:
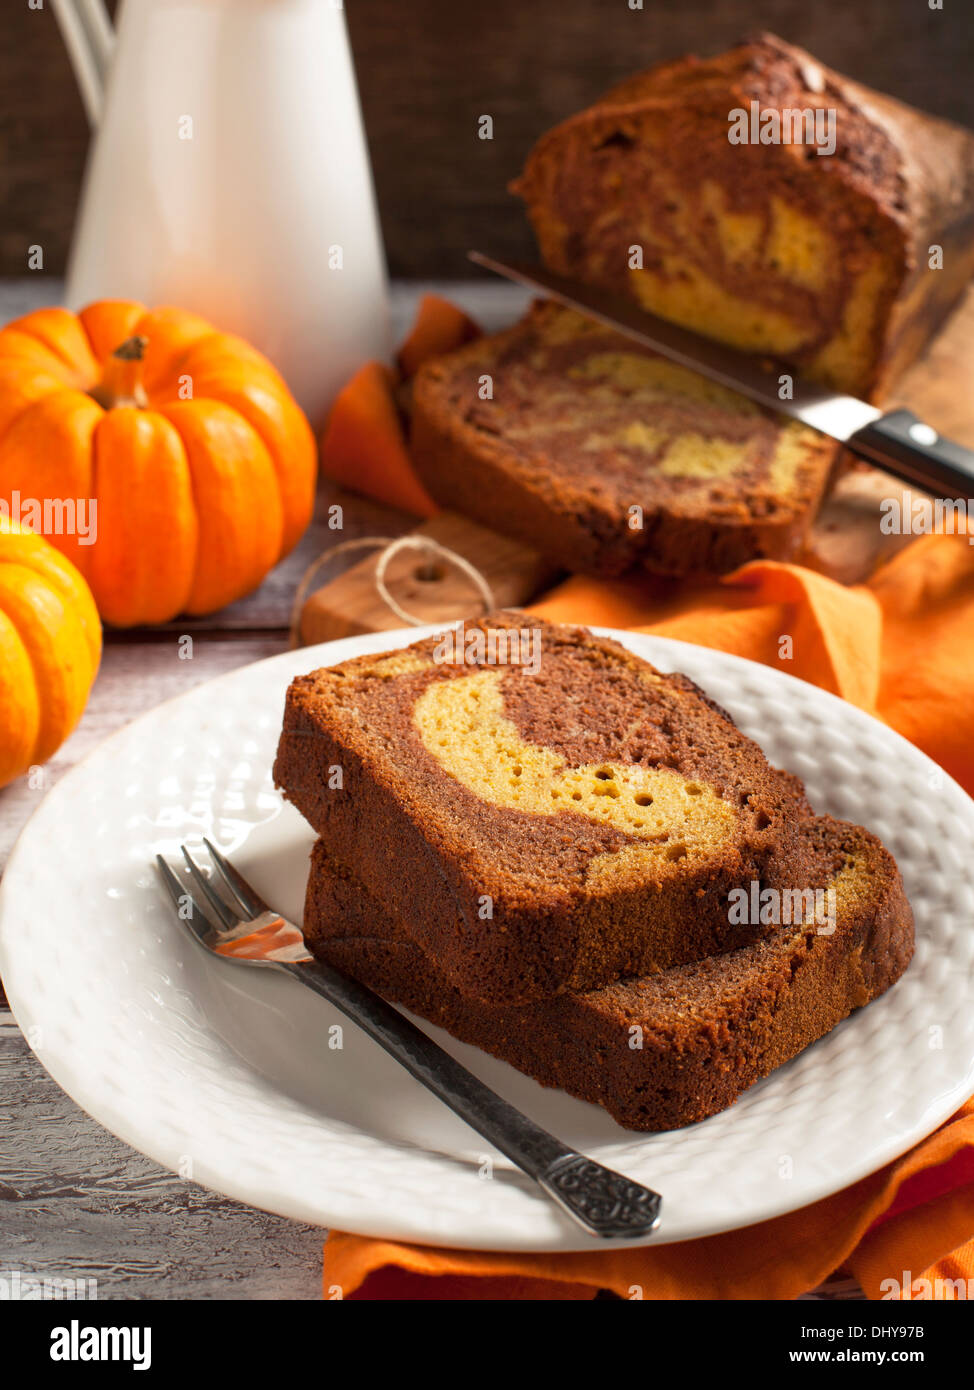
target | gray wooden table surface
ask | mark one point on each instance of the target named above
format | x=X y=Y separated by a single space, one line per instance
x=75 y=1202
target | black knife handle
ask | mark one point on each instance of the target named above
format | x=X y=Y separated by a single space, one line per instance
x=902 y=444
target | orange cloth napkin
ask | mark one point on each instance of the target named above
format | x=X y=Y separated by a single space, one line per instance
x=902 y=647
x=903 y=1232
x=363 y=446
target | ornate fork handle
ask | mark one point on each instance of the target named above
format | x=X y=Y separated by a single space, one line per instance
x=604 y=1203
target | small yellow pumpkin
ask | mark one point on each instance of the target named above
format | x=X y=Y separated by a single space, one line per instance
x=50 y=646
x=181 y=446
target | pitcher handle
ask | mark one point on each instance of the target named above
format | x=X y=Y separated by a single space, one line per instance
x=90 y=40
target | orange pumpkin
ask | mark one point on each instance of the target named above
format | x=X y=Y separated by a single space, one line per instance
x=200 y=464
x=50 y=646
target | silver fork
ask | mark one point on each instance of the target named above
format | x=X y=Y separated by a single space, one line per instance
x=249 y=932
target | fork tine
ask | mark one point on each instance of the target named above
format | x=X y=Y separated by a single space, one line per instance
x=227 y=918
x=197 y=921
x=248 y=898
x=173 y=886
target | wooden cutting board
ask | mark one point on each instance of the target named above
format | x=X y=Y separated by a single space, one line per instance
x=429 y=588
x=844 y=543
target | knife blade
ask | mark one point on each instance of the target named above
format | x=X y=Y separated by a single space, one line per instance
x=898 y=441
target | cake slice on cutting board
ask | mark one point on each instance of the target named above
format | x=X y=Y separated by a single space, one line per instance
x=603 y=455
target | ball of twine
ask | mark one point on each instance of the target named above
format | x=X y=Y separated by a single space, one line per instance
x=390 y=548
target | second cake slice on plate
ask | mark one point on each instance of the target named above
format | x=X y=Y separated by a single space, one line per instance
x=672 y=1048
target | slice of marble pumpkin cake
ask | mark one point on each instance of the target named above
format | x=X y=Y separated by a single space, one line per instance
x=605 y=456
x=538 y=825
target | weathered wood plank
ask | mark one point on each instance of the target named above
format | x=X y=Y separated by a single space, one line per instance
x=76 y=1202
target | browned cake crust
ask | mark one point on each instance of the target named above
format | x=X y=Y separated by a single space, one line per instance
x=604 y=456
x=539 y=832
x=823 y=260
x=672 y=1048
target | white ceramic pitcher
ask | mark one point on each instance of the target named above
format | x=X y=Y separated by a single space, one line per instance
x=230 y=176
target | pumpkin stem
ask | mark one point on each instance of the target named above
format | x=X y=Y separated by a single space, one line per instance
x=121 y=382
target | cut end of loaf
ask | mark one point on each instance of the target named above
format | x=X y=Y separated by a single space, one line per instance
x=765 y=201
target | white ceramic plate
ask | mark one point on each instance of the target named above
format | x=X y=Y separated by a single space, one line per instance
x=225 y=1074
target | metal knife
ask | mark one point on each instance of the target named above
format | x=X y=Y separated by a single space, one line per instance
x=897 y=441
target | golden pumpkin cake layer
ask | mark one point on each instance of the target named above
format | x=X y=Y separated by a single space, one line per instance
x=540 y=826
x=604 y=455
x=668 y=1049
x=826 y=260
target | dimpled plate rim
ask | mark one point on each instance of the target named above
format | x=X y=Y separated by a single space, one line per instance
x=126 y=1033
